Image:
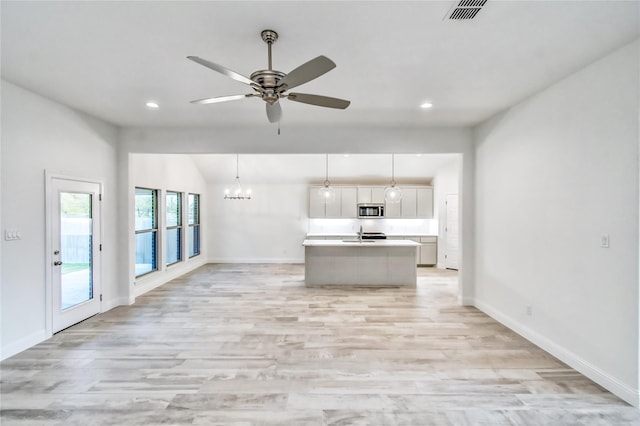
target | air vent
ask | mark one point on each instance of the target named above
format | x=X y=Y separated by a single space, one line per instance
x=466 y=9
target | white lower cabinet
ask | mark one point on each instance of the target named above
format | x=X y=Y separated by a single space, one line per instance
x=427 y=253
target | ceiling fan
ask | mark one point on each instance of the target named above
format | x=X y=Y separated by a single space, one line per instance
x=272 y=85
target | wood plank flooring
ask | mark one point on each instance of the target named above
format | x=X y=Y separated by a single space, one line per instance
x=250 y=344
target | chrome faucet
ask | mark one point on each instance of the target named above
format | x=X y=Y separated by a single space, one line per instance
x=360 y=234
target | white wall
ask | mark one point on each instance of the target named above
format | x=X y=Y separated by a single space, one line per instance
x=38 y=135
x=445 y=182
x=268 y=228
x=170 y=172
x=552 y=174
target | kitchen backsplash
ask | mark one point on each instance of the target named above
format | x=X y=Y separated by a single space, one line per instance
x=388 y=226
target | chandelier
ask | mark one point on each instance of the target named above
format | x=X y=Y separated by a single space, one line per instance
x=236 y=192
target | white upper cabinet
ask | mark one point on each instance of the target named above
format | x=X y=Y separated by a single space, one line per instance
x=377 y=195
x=409 y=203
x=417 y=202
x=370 y=195
x=343 y=206
x=393 y=210
x=364 y=195
x=424 y=202
x=349 y=202
x=316 y=203
x=333 y=208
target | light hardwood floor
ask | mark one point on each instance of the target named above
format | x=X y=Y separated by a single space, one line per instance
x=250 y=344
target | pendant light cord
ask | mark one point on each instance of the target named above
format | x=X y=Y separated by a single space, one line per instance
x=393 y=170
x=237 y=161
x=326 y=178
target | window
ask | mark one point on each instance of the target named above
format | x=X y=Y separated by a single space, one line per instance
x=174 y=227
x=146 y=230
x=194 y=225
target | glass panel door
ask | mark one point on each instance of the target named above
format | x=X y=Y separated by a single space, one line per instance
x=74 y=229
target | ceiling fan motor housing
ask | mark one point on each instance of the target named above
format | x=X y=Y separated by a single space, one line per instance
x=268 y=80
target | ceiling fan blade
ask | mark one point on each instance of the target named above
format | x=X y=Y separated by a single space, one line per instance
x=221 y=99
x=318 y=100
x=307 y=72
x=229 y=73
x=274 y=112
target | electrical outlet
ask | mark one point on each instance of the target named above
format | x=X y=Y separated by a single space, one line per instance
x=529 y=310
x=604 y=240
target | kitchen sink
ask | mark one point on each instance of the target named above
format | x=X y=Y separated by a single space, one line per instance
x=358 y=241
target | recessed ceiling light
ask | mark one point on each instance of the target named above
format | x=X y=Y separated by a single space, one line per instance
x=345 y=155
x=426 y=105
x=152 y=105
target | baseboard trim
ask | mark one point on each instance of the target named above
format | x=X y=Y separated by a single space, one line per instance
x=257 y=260
x=23 y=343
x=467 y=302
x=615 y=386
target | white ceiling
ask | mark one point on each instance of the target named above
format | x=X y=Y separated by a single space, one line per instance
x=311 y=168
x=109 y=58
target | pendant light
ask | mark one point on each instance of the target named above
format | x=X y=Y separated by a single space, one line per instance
x=326 y=192
x=236 y=192
x=392 y=194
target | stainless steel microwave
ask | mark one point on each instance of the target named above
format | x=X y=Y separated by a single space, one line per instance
x=371 y=210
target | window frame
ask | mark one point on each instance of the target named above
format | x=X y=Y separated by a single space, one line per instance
x=154 y=230
x=196 y=225
x=179 y=227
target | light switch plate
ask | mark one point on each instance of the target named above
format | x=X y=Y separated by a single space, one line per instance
x=604 y=240
x=12 y=234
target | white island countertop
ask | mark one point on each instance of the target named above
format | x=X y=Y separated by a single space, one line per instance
x=355 y=234
x=353 y=242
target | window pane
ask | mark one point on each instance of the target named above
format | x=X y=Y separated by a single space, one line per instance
x=194 y=209
x=146 y=252
x=173 y=209
x=145 y=209
x=194 y=240
x=76 y=237
x=173 y=245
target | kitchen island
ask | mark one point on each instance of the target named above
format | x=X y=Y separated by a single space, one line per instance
x=364 y=263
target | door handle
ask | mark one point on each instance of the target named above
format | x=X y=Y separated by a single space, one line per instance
x=57 y=263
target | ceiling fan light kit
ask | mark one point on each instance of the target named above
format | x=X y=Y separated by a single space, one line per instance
x=272 y=85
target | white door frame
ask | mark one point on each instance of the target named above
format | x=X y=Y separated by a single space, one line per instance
x=447 y=262
x=49 y=227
